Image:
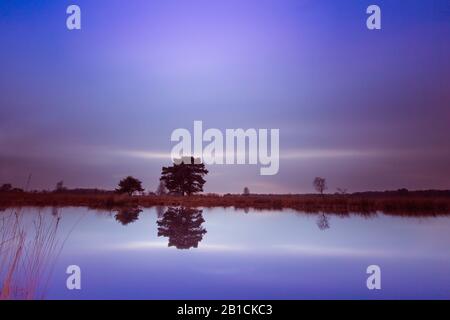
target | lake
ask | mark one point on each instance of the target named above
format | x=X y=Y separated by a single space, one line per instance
x=179 y=253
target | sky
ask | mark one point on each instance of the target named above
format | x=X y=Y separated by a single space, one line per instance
x=366 y=109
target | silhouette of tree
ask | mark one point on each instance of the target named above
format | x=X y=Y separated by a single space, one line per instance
x=127 y=215
x=60 y=187
x=402 y=192
x=161 y=190
x=320 y=184
x=6 y=187
x=246 y=192
x=322 y=222
x=129 y=185
x=184 y=178
x=183 y=227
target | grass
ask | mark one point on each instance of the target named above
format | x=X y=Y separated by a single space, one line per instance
x=365 y=203
x=26 y=258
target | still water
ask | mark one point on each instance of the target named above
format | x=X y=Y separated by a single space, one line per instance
x=178 y=253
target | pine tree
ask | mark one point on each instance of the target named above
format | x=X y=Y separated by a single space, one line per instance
x=185 y=177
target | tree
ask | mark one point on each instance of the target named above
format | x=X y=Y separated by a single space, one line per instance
x=185 y=177
x=161 y=190
x=246 y=191
x=129 y=185
x=183 y=227
x=60 y=187
x=320 y=184
x=6 y=187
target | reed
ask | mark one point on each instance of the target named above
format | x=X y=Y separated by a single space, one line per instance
x=26 y=257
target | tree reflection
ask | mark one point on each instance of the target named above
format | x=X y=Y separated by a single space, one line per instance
x=323 y=222
x=183 y=227
x=128 y=215
x=160 y=211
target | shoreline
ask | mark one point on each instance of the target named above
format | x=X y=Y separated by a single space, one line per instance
x=412 y=204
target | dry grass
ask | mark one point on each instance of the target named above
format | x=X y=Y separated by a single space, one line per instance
x=26 y=257
x=408 y=204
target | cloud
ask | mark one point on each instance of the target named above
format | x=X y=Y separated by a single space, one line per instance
x=148 y=245
x=143 y=154
x=293 y=154
x=306 y=250
x=313 y=250
x=327 y=153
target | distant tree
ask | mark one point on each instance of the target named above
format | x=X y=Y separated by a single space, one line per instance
x=212 y=195
x=130 y=185
x=27 y=187
x=320 y=184
x=185 y=177
x=341 y=191
x=402 y=191
x=6 y=187
x=161 y=190
x=246 y=191
x=60 y=187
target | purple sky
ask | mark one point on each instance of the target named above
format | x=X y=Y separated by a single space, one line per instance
x=368 y=110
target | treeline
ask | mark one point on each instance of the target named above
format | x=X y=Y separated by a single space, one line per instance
x=180 y=183
x=161 y=190
x=403 y=192
x=8 y=188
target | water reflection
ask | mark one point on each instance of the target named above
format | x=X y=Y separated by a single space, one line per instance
x=159 y=211
x=128 y=215
x=323 y=222
x=183 y=227
x=282 y=254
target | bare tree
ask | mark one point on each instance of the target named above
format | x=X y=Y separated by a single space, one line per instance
x=60 y=187
x=246 y=191
x=320 y=184
x=342 y=191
